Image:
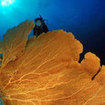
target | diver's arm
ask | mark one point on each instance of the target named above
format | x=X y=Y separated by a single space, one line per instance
x=45 y=28
x=34 y=31
x=43 y=24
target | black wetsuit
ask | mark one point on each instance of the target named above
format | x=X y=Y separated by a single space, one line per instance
x=38 y=30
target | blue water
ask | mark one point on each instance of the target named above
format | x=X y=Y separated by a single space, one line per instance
x=1 y=102
x=84 y=18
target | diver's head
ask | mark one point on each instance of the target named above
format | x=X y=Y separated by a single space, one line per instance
x=38 y=22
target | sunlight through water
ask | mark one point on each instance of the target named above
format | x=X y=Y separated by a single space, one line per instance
x=7 y=2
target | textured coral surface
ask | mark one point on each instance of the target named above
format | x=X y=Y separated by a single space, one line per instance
x=46 y=70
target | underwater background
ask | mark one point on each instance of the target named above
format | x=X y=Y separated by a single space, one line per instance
x=84 y=18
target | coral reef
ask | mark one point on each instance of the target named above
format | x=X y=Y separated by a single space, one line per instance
x=46 y=70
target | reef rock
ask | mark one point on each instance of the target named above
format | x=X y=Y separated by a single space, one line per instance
x=46 y=70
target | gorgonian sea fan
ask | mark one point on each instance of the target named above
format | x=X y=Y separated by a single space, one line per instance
x=46 y=70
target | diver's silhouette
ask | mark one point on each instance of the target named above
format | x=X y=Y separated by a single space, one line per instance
x=1 y=58
x=40 y=27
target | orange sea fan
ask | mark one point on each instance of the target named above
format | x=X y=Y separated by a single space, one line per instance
x=46 y=70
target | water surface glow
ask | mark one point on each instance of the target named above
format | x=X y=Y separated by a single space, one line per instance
x=7 y=2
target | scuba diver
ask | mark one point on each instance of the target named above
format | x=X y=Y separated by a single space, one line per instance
x=40 y=26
